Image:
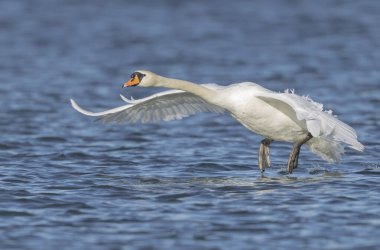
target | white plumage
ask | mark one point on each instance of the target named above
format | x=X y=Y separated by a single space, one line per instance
x=164 y=106
x=275 y=116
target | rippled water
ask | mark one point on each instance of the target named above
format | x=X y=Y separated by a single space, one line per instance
x=69 y=183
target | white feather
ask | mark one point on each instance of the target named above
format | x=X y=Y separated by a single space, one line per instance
x=321 y=124
x=164 y=106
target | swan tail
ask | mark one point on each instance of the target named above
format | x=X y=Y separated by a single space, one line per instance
x=328 y=150
x=338 y=131
x=320 y=123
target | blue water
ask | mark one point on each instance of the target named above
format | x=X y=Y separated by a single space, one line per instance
x=69 y=183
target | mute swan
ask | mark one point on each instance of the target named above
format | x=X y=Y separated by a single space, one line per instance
x=275 y=116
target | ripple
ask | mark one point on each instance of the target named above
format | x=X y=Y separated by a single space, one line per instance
x=64 y=204
x=15 y=180
x=74 y=155
x=51 y=139
x=10 y=213
x=7 y=146
x=174 y=197
x=74 y=212
x=66 y=187
x=211 y=167
x=318 y=171
x=150 y=180
x=370 y=171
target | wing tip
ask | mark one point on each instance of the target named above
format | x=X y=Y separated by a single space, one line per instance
x=124 y=98
x=74 y=105
x=79 y=109
x=358 y=146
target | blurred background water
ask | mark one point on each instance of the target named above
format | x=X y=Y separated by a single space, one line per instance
x=69 y=183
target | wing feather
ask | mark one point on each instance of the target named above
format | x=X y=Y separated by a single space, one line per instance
x=319 y=123
x=163 y=106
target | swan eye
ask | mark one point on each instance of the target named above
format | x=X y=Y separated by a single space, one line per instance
x=135 y=80
x=139 y=75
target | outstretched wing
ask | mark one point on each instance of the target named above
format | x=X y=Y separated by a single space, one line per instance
x=166 y=106
x=319 y=123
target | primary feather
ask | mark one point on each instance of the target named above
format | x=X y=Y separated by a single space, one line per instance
x=164 y=106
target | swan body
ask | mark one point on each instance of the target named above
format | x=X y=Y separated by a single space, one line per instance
x=275 y=116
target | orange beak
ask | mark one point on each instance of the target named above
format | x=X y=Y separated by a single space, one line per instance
x=132 y=82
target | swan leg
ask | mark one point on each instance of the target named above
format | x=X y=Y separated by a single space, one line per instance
x=293 y=158
x=264 y=160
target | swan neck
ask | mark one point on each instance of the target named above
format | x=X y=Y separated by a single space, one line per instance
x=193 y=88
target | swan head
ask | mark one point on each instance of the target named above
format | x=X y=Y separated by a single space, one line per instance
x=142 y=78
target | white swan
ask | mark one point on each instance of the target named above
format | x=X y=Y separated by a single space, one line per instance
x=275 y=116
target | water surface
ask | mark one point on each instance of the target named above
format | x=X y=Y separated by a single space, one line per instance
x=69 y=183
